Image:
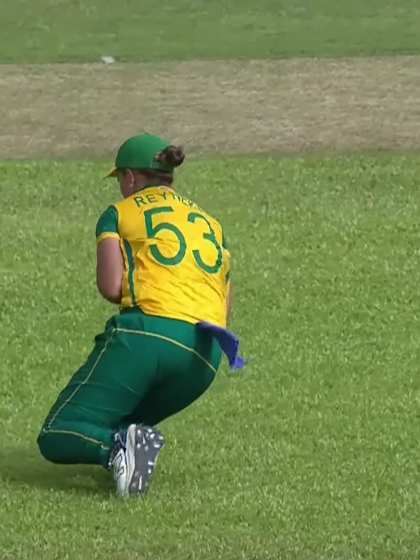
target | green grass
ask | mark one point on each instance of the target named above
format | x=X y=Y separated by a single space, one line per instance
x=58 y=30
x=312 y=453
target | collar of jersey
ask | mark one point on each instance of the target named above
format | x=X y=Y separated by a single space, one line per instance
x=154 y=187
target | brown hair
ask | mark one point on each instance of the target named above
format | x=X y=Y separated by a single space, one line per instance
x=172 y=156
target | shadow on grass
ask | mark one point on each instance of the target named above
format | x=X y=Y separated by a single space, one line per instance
x=25 y=466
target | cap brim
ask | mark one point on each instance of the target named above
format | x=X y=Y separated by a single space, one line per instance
x=112 y=173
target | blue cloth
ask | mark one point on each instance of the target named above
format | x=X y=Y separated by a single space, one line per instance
x=228 y=342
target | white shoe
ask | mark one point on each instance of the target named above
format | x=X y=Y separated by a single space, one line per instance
x=134 y=457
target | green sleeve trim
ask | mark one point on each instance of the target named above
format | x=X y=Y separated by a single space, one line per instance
x=108 y=222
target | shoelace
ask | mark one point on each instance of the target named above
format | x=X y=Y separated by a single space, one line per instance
x=119 y=443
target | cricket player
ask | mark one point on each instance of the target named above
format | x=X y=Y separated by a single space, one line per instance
x=165 y=263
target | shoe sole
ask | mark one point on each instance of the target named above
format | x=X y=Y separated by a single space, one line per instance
x=145 y=445
x=155 y=442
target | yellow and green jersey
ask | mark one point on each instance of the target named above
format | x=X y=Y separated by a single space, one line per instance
x=176 y=261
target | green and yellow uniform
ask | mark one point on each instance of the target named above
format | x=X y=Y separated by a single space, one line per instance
x=176 y=261
x=151 y=360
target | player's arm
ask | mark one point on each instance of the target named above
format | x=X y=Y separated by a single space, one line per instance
x=109 y=269
x=109 y=259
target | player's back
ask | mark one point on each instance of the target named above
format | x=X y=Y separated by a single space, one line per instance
x=176 y=262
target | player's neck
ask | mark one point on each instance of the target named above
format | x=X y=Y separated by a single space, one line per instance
x=152 y=184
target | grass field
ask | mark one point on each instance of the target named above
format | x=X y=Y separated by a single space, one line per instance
x=312 y=452
x=62 y=31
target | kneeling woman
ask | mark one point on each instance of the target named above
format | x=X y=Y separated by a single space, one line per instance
x=164 y=261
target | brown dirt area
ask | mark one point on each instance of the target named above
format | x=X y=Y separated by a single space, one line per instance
x=278 y=106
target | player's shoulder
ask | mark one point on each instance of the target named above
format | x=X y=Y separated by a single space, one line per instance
x=128 y=208
x=198 y=212
x=107 y=222
x=195 y=208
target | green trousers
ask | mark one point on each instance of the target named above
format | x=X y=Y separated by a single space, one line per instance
x=142 y=370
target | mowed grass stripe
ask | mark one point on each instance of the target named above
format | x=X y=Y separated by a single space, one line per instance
x=285 y=106
x=53 y=31
x=312 y=453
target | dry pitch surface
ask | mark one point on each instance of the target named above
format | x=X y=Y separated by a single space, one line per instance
x=279 y=106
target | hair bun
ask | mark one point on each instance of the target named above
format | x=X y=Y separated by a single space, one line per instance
x=172 y=156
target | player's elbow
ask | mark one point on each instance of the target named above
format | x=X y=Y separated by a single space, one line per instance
x=110 y=288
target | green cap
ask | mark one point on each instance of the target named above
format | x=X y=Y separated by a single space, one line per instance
x=139 y=152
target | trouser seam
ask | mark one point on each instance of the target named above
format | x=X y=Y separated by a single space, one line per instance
x=77 y=434
x=88 y=376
